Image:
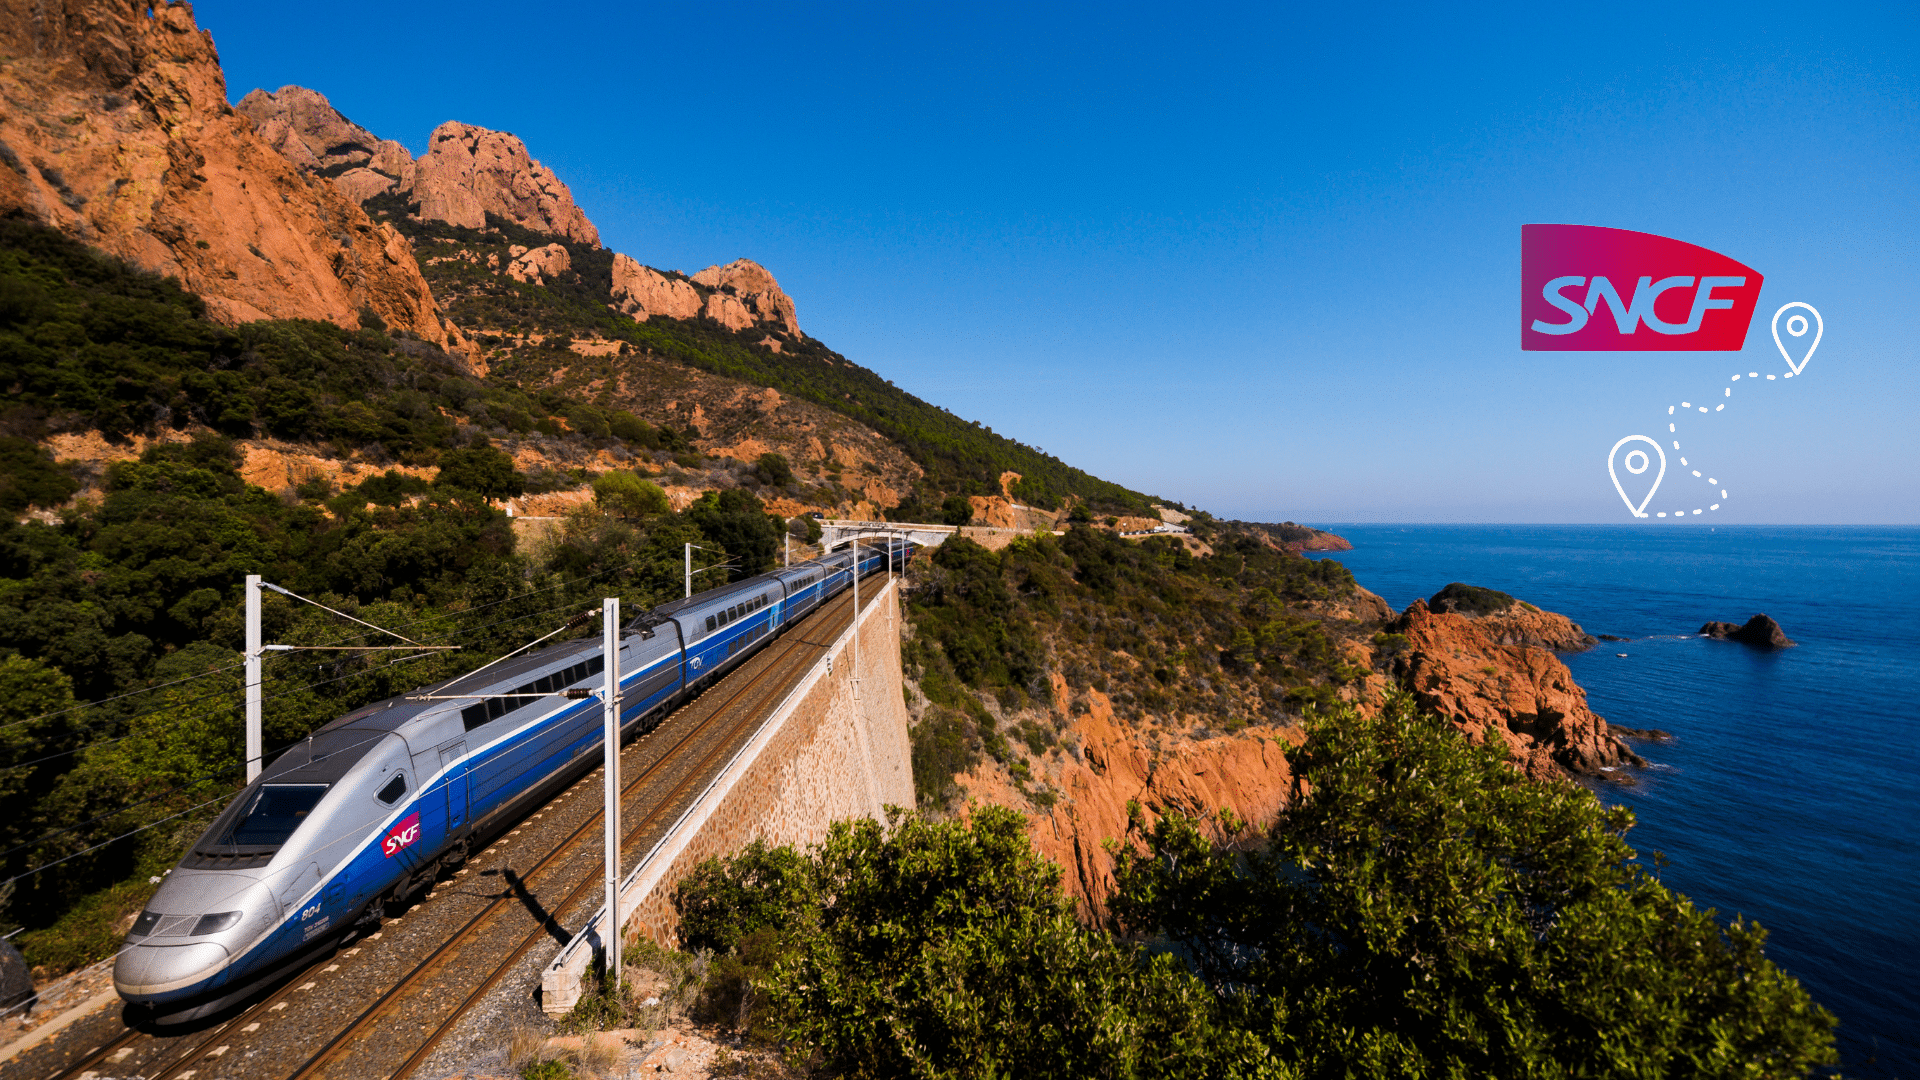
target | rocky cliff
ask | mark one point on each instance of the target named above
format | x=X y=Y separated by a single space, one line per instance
x=309 y=132
x=1104 y=763
x=1474 y=672
x=114 y=128
x=467 y=173
x=745 y=294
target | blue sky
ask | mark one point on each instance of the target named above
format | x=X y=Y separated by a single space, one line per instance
x=1264 y=260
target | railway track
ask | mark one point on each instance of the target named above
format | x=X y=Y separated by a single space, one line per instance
x=712 y=725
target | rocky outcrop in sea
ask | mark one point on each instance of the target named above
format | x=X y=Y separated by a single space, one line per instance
x=1496 y=678
x=1760 y=631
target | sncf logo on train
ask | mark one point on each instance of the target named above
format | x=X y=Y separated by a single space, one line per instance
x=404 y=834
x=1584 y=288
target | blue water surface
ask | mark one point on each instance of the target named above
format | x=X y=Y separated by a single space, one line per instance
x=1789 y=793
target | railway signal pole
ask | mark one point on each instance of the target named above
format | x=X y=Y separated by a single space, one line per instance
x=255 y=751
x=610 y=630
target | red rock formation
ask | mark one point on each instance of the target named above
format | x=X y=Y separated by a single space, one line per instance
x=1521 y=695
x=746 y=294
x=644 y=292
x=1524 y=624
x=539 y=265
x=117 y=132
x=469 y=172
x=308 y=131
x=1112 y=763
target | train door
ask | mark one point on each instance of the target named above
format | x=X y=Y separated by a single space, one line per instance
x=456 y=787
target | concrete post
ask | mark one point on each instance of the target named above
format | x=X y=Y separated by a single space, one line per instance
x=610 y=632
x=255 y=751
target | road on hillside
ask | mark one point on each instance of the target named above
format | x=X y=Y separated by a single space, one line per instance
x=431 y=989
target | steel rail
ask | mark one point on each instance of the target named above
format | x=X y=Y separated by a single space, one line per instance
x=338 y=1044
x=293 y=980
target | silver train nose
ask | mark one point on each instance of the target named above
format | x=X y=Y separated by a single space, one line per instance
x=149 y=973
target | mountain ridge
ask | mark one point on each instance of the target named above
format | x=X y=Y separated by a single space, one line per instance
x=116 y=130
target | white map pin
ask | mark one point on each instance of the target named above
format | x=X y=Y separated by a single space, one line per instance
x=1797 y=327
x=1636 y=462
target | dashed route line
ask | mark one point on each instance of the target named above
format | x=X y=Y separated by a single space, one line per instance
x=1797 y=326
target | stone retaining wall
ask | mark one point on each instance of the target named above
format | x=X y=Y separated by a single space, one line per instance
x=820 y=757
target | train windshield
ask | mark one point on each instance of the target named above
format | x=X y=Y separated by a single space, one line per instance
x=276 y=811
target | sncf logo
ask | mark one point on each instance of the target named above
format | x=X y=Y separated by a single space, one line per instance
x=1587 y=289
x=404 y=834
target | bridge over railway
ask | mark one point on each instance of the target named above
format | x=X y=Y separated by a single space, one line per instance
x=811 y=729
x=837 y=533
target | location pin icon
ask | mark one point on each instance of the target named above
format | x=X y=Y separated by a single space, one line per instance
x=1797 y=329
x=1638 y=466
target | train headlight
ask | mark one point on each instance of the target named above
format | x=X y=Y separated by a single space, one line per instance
x=144 y=925
x=213 y=924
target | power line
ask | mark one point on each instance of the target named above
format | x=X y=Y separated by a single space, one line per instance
x=116 y=697
x=232 y=667
x=115 y=840
x=194 y=783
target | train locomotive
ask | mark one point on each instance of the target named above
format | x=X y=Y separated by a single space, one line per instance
x=370 y=808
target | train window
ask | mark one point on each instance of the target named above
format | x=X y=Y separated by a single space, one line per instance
x=474 y=715
x=711 y=624
x=596 y=665
x=277 y=810
x=395 y=788
x=496 y=708
x=543 y=685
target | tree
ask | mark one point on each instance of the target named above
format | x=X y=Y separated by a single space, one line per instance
x=624 y=494
x=956 y=510
x=30 y=477
x=736 y=520
x=921 y=949
x=774 y=470
x=1423 y=909
x=481 y=469
x=722 y=902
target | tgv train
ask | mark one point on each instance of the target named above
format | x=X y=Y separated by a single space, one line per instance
x=370 y=808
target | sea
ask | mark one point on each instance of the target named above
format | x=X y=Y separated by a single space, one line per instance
x=1789 y=793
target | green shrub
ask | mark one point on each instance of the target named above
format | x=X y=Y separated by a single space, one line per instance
x=942 y=749
x=936 y=950
x=773 y=470
x=956 y=510
x=483 y=470
x=30 y=477
x=1424 y=909
x=1469 y=600
x=624 y=494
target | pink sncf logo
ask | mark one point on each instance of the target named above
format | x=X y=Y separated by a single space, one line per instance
x=1584 y=288
x=404 y=834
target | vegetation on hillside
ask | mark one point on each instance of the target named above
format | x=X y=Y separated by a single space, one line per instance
x=130 y=600
x=959 y=456
x=1221 y=641
x=88 y=344
x=1421 y=910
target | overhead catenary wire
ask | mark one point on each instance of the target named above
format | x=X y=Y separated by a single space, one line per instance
x=203 y=778
x=117 y=697
x=235 y=667
x=232 y=667
x=104 y=843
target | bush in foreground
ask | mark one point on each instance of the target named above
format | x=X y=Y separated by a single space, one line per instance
x=1426 y=910
x=1423 y=910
